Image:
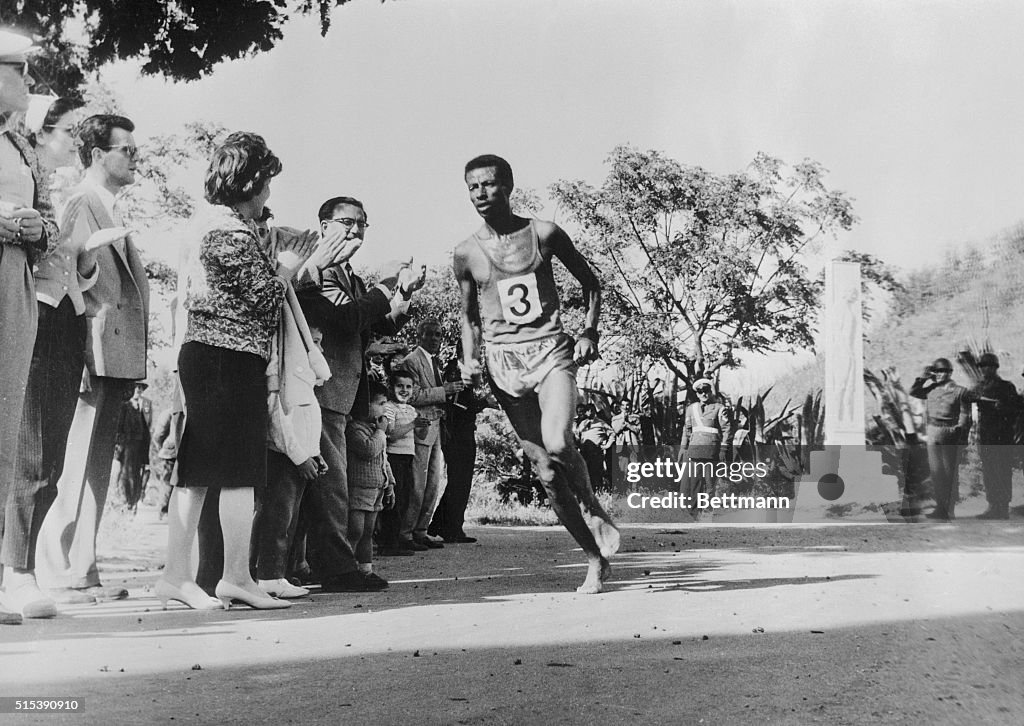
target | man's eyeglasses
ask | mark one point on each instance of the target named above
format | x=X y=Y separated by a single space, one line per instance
x=349 y=223
x=132 y=152
x=23 y=65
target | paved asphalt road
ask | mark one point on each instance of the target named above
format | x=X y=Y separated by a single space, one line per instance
x=911 y=624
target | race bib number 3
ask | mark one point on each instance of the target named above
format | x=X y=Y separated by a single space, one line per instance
x=520 y=301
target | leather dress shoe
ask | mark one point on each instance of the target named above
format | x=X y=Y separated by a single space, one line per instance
x=460 y=539
x=376 y=581
x=408 y=544
x=281 y=588
x=67 y=596
x=995 y=513
x=7 y=618
x=102 y=593
x=429 y=543
x=353 y=582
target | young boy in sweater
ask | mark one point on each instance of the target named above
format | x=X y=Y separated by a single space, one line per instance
x=370 y=481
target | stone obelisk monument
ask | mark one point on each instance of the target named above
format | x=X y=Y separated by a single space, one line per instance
x=845 y=477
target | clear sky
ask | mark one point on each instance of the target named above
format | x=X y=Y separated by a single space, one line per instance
x=915 y=107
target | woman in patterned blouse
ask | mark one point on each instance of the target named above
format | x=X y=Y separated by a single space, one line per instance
x=232 y=294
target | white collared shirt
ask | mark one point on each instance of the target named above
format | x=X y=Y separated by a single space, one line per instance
x=105 y=196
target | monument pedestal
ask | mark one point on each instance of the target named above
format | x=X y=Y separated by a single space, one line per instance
x=844 y=484
x=845 y=478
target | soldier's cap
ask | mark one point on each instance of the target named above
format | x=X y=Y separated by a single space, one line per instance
x=14 y=46
x=703 y=383
x=942 y=364
x=988 y=359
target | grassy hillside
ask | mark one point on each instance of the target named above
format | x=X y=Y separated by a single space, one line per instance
x=947 y=305
x=971 y=297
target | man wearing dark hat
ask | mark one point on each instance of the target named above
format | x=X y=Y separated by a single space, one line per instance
x=948 y=422
x=27 y=233
x=999 y=407
x=707 y=434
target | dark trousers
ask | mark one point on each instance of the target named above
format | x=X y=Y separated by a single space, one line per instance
x=997 y=472
x=460 y=458
x=391 y=519
x=594 y=457
x=134 y=458
x=51 y=395
x=329 y=552
x=277 y=515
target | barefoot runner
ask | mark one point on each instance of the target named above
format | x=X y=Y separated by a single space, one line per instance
x=509 y=296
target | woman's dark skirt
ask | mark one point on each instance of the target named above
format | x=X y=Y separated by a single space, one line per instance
x=225 y=440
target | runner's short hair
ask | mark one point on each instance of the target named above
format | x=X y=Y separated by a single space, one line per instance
x=486 y=161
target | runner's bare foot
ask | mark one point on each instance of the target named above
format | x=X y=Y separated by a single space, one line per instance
x=605 y=534
x=597 y=574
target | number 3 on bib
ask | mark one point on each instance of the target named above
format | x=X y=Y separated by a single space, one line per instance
x=520 y=301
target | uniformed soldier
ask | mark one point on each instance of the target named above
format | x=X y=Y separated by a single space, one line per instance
x=948 y=422
x=707 y=432
x=999 y=407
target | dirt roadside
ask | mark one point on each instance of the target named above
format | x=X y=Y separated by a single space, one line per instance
x=701 y=624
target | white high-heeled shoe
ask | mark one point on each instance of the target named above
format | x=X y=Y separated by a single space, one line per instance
x=281 y=588
x=226 y=592
x=165 y=591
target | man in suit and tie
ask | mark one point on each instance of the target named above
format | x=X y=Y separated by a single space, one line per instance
x=116 y=312
x=339 y=303
x=430 y=397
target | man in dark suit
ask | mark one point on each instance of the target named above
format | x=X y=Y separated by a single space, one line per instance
x=116 y=311
x=134 y=435
x=458 y=442
x=338 y=302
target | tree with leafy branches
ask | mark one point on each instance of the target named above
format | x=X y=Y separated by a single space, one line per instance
x=698 y=267
x=181 y=40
